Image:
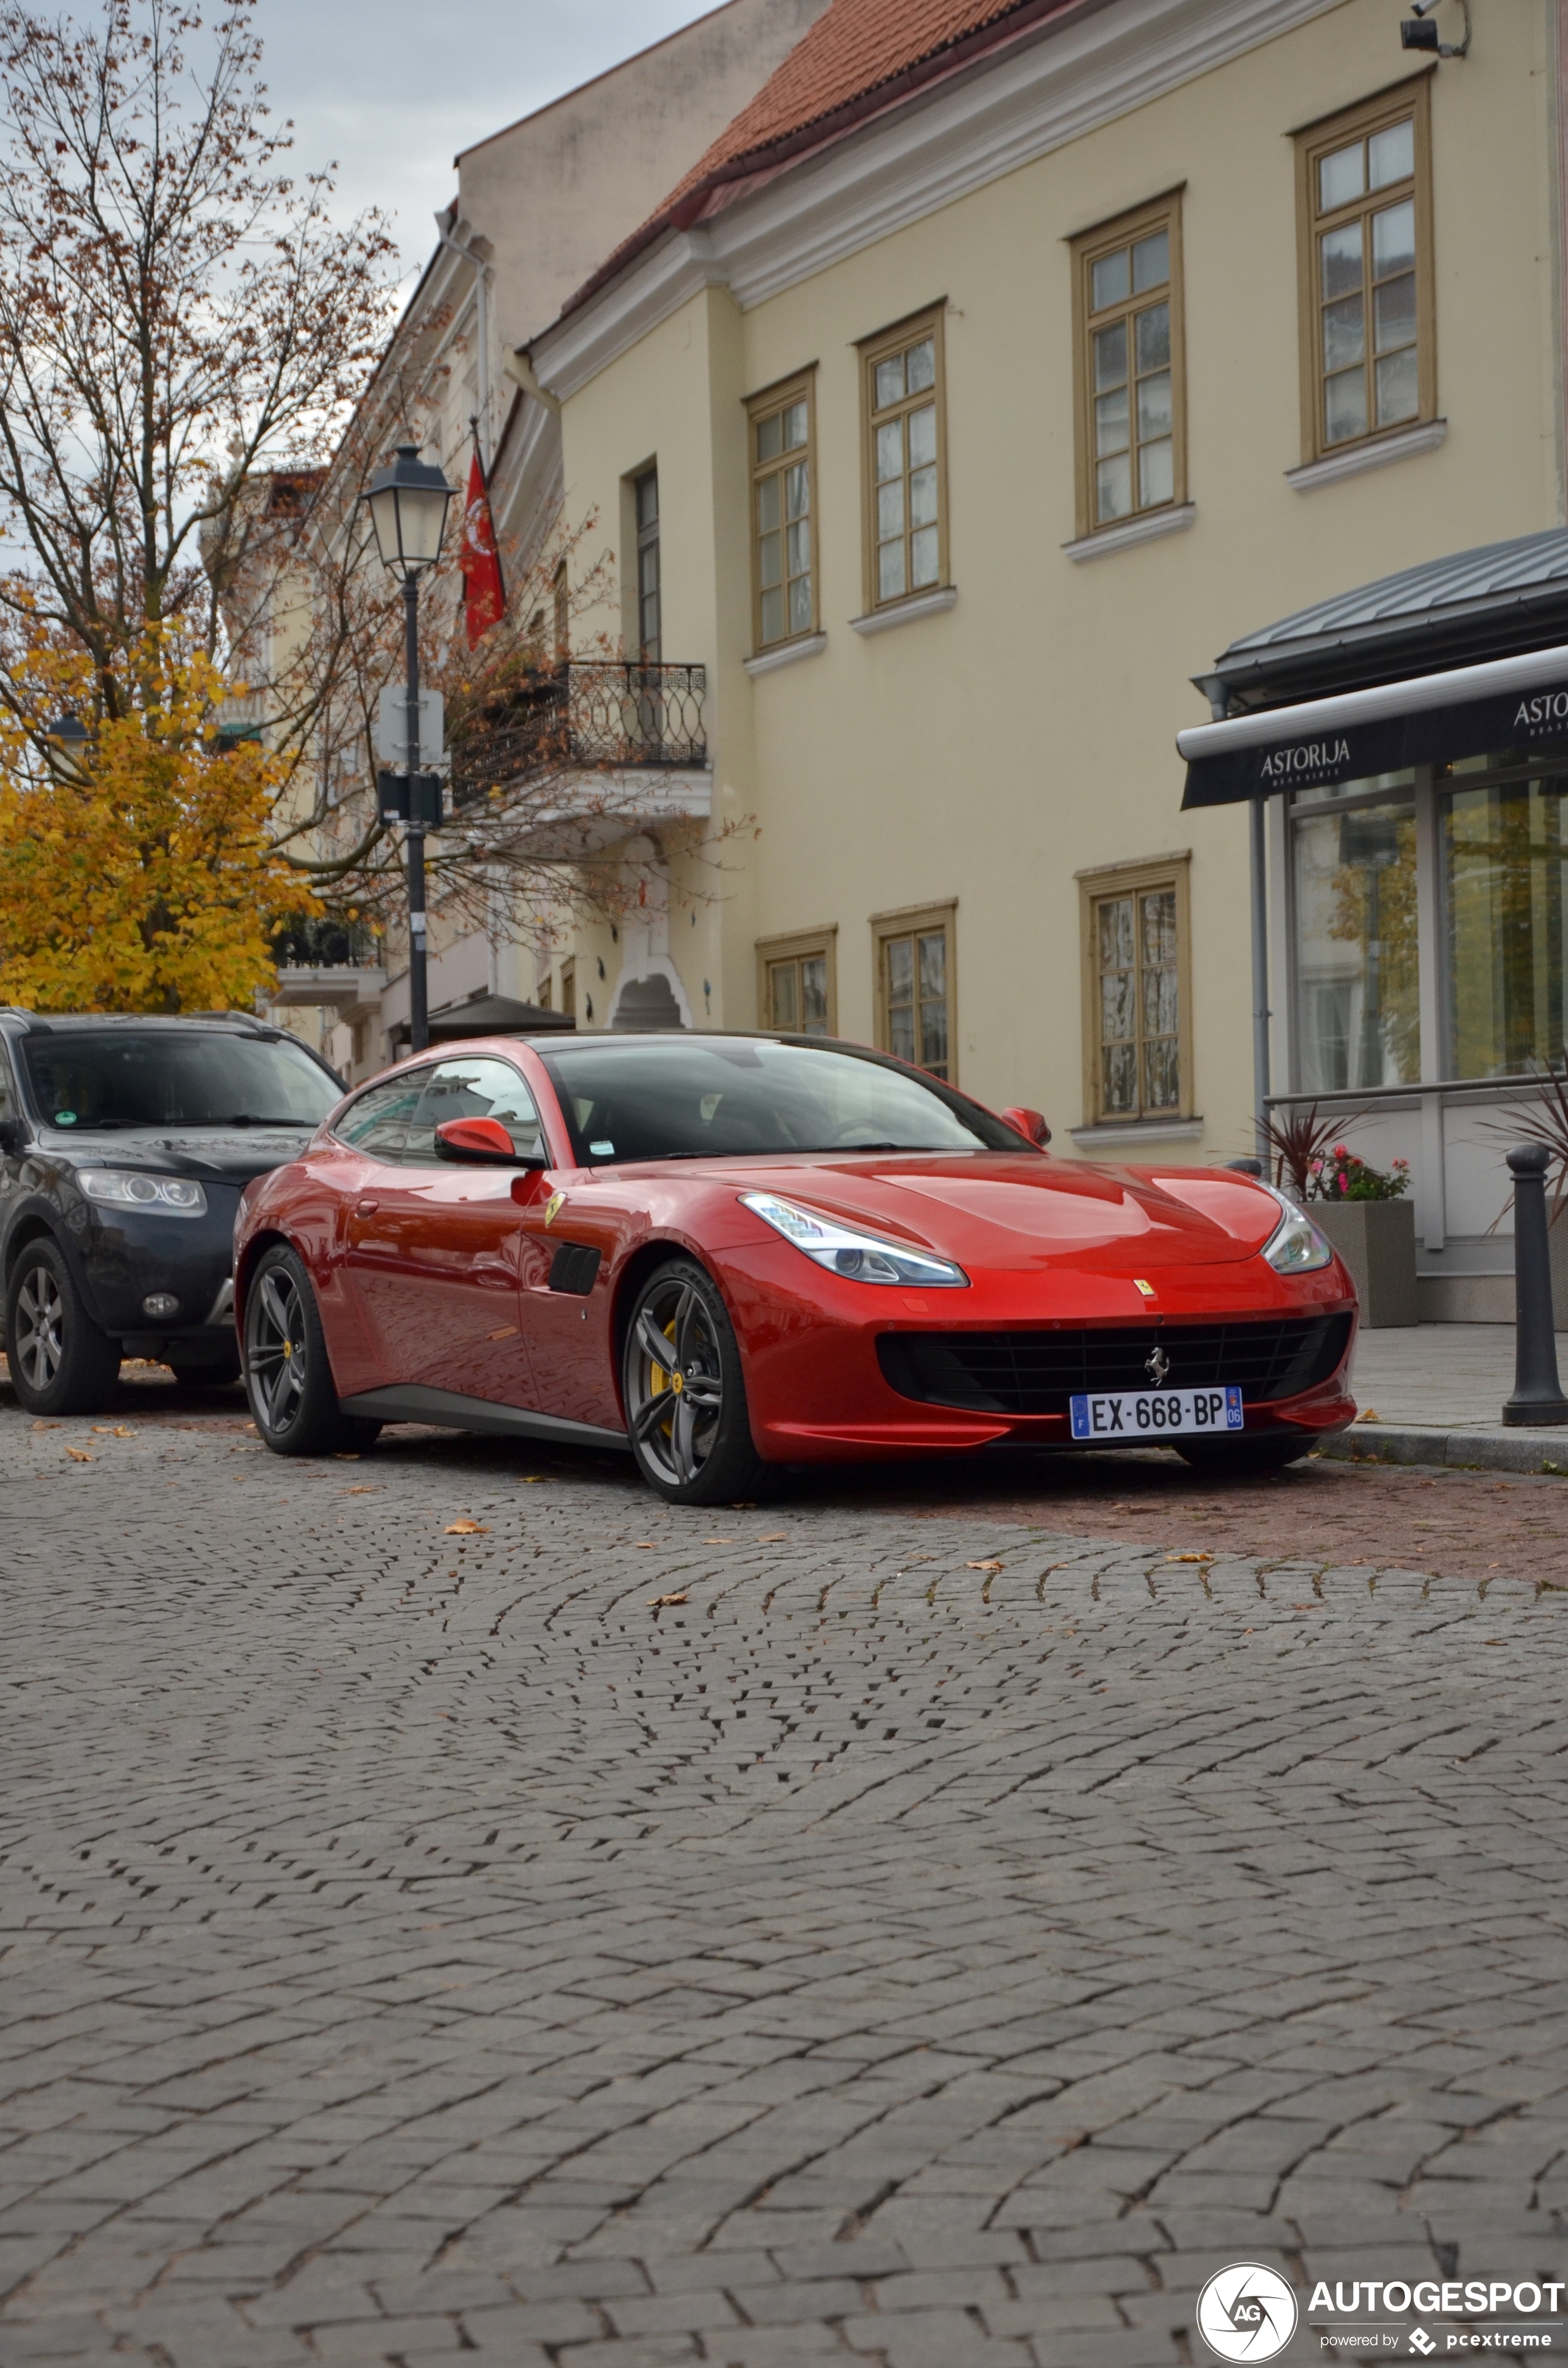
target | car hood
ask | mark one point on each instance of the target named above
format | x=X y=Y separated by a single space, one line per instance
x=1002 y=1211
x=215 y=1155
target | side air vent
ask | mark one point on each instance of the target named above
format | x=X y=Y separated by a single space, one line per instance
x=574 y=1268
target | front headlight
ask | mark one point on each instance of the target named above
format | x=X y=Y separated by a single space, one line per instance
x=125 y=1187
x=859 y=1258
x=1296 y=1247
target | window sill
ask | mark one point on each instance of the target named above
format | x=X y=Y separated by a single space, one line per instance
x=1401 y=446
x=785 y=653
x=919 y=604
x=1143 y=1130
x=1153 y=523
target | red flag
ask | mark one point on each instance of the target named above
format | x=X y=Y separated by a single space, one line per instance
x=485 y=594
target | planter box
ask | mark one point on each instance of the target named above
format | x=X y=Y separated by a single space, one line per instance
x=1376 y=1241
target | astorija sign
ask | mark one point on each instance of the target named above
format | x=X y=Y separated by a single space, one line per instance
x=1432 y=735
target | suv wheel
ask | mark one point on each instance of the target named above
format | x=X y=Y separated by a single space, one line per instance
x=685 y=1399
x=288 y=1378
x=61 y=1361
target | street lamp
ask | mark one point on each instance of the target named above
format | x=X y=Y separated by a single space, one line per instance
x=408 y=502
x=70 y=740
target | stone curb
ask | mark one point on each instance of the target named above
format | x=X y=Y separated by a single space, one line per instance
x=1493 y=1450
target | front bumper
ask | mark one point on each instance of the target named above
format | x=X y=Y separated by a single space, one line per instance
x=819 y=1388
x=123 y=1262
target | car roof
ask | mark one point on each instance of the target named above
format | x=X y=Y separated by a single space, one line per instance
x=50 y=1023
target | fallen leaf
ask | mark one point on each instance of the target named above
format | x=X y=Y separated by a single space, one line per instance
x=1369 y=1414
x=362 y=1490
x=114 y=1429
x=772 y=1537
x=41 y=1425
x=656 y=1603
x=533 y=1479
x=466 y=1530
x=78 y=1455
x=718 y=1541
x=982 y=1565
x=1193 y=1557
x=644 y=1545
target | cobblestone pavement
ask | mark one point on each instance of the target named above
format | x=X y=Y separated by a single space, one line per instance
x=939 y=1937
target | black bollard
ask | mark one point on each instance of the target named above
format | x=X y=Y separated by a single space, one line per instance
x=1538 y=1393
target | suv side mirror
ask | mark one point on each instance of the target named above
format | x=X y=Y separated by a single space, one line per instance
x=1030 y=1124
x=13 y=1137
x=482 y=1142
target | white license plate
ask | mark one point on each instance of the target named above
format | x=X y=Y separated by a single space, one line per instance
x=1156 y=1414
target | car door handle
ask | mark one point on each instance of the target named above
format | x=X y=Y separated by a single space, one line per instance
x=366 y=1208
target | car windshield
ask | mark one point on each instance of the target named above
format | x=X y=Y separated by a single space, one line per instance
x=84 y=1079
x=736 y=1096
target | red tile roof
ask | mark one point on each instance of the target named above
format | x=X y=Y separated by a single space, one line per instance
x=860 y=57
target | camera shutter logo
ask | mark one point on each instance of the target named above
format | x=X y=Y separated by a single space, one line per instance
x=1247 y=2311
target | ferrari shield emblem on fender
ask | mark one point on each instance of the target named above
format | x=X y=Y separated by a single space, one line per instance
x=553 y=1207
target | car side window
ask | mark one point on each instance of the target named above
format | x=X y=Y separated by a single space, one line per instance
x=8 y=1091
x=479 y=1087
x=377 y=1123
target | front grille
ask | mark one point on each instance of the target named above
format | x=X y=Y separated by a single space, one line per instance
x=1037 y=1373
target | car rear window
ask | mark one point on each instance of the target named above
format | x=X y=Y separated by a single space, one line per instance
x=87 y=1080
x=742 y=1096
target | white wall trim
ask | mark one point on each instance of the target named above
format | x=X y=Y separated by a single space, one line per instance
x=1147 y=529
x=1005 y=111
x=923 y=604
x=809 y=645
x=1361 y=457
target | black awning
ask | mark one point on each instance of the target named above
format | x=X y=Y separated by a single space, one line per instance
x=1514 y=703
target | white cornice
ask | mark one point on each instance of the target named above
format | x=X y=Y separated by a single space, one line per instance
x=1002 y=113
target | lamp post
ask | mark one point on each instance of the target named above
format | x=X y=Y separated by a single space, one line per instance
x=408 y=502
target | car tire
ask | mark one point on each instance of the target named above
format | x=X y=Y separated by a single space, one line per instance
x=687 y=1421
x=211 y=1372
x=1243 y=1458
x=61 y=1361
x=288 y=1378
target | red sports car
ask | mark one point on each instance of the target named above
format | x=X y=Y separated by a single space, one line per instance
x=722 y=1252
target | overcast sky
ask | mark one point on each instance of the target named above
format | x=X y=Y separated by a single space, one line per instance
x=393 y=90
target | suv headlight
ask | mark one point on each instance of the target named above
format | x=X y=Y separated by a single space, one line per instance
x=124 y=1188
x=859 y=1258
x=1296 y=1247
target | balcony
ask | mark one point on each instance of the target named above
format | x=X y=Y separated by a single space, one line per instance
x=592 y=750
x=326 y=963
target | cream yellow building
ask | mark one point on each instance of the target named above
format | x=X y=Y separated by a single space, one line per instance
x=995 y=369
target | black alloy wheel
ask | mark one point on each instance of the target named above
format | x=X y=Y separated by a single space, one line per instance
x=61 y=1361
x=686 y=1400
x=288 y=1378
x=1243 y=1458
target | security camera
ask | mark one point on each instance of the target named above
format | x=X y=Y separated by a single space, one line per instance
x=1415 y=33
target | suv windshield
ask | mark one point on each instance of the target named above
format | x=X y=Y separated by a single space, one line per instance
x=733 y=1097
x=82 y=1079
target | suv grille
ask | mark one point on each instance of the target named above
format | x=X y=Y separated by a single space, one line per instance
x=1037 y=1373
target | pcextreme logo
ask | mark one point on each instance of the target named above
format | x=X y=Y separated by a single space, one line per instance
x=1247 y=2311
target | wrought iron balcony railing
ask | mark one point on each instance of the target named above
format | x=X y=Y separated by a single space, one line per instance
x=324 y=944
x=591 y=714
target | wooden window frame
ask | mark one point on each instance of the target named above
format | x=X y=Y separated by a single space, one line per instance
x=799 y=388
x=1088 y=247
x=799 y=945
x=1319 y=139
x=646 y=538
x=914 y=920
x=569 y=987
x=900 y=334
x=1133 y=878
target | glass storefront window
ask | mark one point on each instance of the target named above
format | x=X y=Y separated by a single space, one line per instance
x=1357 y=996
x=1505 y=871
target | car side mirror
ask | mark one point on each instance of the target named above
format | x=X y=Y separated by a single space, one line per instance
x=481 y=1143
x=13 y=1137
x=1030 y=1124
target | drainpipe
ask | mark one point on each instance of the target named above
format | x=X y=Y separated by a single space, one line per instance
x=481 y=332
x=1260 y=834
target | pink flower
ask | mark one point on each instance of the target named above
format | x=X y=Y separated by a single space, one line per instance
x=1401 y=1163
x=1315 y=1167
x=1342 y=1151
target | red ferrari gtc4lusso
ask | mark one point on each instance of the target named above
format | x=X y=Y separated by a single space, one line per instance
x=722 y=1252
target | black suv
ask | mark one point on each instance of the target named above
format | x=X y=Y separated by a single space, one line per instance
x=124 y=1146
